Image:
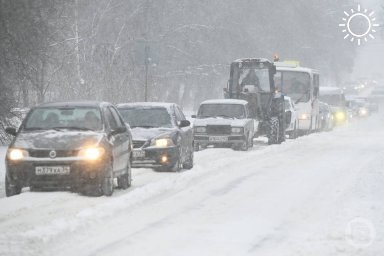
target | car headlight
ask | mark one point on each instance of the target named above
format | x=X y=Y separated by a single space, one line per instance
x=200 y=129
x=162 y=143
x=237 y=130
x=304 y=116
x=92 y=153
x=16 y=154
x=340 y=115
x=363 y=112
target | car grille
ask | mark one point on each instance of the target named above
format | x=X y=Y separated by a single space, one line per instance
x=138 y=143
x=43 y=153
x=218 y=129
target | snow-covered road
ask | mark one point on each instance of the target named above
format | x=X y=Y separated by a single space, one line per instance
x=318 y=195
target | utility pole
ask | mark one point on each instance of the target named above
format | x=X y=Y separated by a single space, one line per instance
x=146 y=62
x=78 y=68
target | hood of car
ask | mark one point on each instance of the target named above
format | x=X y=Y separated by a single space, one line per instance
x=220 y=121
x=60 y=140
x=144 y=134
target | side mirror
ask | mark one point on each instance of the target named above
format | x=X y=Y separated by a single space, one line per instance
x=193 y=116
x=11 y=130
x=184 y=123
x=119 y=130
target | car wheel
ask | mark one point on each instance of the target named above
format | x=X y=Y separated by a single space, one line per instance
x=124 y=181
x=11 y=189
x=245 y=145
x=196 y=147
x=189 y=163
x=178 y=165
x=293 y=134
x=107 y=185
x=250 y=143
x=273 y=131
x=281 y=131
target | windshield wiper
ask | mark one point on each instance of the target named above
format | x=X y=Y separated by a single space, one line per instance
x=225 y=116
x=72 y=128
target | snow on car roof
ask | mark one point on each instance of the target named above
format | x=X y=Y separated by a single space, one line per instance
x=296 y=69
x=82 y=103
x=252 y=59
x=224 y=101
x=146 y=105
x=330 y=90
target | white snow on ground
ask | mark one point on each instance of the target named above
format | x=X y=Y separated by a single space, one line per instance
x=317 y=195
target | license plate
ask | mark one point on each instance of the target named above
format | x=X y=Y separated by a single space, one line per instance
x=218 y=139
x=138 y=154
x=52 y=170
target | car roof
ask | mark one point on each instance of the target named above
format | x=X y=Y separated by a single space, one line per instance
x=297 y=69
x=74 y=104
x=252 y=59
x=224 y=101
x=146 y=105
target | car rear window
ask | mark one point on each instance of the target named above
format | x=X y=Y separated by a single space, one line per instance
x=147 y=117
x=87 y=118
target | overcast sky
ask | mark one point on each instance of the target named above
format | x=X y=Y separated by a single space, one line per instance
x=370 y=55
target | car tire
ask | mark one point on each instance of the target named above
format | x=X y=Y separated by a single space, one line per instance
x=273 y=130
x=250 y=143
x=294 y=134
x=189 y=163
x=176 y=167
x=107 y=186
x=245 y=145
x=124 y=181
x=11 y=189
x=281 y=131
x=196 y=147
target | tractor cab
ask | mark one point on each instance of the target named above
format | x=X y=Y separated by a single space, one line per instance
x=252 y=80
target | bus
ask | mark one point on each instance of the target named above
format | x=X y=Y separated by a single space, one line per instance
x=302 y=85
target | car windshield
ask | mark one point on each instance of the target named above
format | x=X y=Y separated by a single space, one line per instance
x=294 y=84
x=332 y=99
x=74 y=118
x=254 y=79
x=221 y=110
x=147 y=117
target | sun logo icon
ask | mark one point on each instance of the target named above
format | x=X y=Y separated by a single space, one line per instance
x=359 y=25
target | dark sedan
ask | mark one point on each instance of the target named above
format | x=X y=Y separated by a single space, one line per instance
x=78 y=145
x=162 y=137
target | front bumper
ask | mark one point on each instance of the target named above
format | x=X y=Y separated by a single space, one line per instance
x=156 y=157
x=304 y=124
x=23 y=173
x=220 y=140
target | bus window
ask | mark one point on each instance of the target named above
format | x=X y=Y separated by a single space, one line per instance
x=316 y=83
x=296 y=85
